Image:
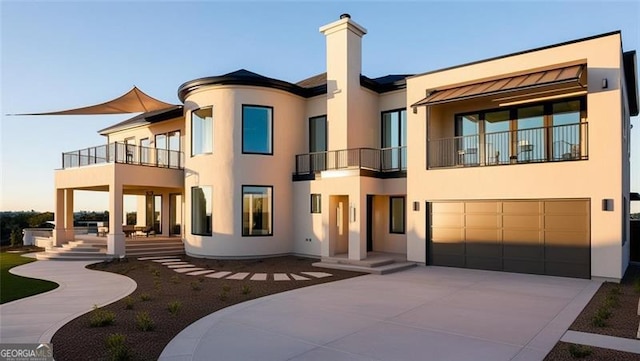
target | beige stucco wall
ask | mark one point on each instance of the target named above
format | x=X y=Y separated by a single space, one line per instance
x=149 y=131
x=597 y=178
x=227 y=169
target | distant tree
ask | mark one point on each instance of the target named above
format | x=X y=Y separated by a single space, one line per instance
x=16 y=237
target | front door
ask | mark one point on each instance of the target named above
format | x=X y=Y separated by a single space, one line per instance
x=369 y=223
x=338 y=225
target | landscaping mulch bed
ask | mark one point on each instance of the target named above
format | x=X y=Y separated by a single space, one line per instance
x=561 y=352
x=621 y=301
x=198 y=296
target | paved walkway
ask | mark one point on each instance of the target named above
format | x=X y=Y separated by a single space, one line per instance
x=434 y=313
x=178 y=265
x=35 y=319
x=610 y=342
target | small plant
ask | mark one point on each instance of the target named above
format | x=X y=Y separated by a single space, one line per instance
x=603 y=312
x=145 y=297
x=636 y=285
x=579 y=351
x=175 y=279
x=196 y=286
x=615 y=290
x=101 y=318
x=118 y=350
x=223 y=296
x=246 y=290
x=155 y=272
x=129 y=302
x=157 y=284
x=598 y=321
x=174 y=307
x=226 y=288
x=144 y=322
x=611 y=301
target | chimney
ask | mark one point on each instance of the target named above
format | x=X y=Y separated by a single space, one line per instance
x=344 y=66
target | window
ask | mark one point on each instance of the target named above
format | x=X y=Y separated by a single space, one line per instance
x=396 y=215
x=394 y=136
x=257 y=209
x=548 y=131
x=257 y=129
x=201 y=209
x=202 y=131
x=145 y=151
x=318 y=143
x=316 y=203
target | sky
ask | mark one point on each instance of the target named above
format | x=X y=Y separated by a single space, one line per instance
x=61 y=55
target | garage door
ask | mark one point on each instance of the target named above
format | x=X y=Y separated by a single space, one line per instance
x=548 y=237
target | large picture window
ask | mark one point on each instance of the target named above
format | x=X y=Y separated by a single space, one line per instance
x=396 y=215
x=202 y=131
x=201 y=209
x=257 y=210
x=257 y=129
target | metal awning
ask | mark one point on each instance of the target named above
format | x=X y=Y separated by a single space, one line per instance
x=564 y=78
x=133 y=101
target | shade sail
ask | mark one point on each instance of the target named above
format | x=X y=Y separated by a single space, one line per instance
x=134 y=101
x=559 y=78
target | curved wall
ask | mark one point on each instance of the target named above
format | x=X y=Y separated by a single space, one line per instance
x=226 y=170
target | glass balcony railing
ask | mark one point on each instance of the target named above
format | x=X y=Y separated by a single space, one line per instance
x=123 y=153
x=376 y=160
x=544 y=144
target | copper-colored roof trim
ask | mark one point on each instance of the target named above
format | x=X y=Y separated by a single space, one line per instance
x=570 y=75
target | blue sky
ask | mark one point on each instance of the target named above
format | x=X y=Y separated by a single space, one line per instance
x=68 y=54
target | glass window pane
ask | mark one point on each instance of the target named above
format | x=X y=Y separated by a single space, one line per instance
x=531 y=143
x=256 y=211
x=396 y=212
x=145 y=151
x=202 y=131
x=316 y=205
x=566 y=130
x=497 y=137
x=201 y=209
x=318 y=134
x=467 y=139
x=256 y=129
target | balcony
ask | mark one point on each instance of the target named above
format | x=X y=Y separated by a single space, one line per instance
x=534 y=145
x=123 y=153
x=379 y=163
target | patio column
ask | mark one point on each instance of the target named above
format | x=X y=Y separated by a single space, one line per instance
x=165 y=214
x=115 y=238
x=59 y=233
x=68 y=215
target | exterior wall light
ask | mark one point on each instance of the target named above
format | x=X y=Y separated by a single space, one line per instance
x=605 y=83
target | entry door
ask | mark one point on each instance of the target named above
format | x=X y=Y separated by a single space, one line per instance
x=338 y=224
x=369 y=223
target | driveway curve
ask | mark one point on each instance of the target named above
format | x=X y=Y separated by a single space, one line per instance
x=434 y=313
x=35 y=319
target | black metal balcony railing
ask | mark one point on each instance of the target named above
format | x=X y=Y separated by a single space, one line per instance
x=123 y=153
x=544 y=144
x=377 y=160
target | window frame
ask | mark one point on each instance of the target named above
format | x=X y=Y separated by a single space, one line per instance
x=192 y=212
x=271 y=125
x=313 y=209
x=326 y=132
x=270 y=234
x=404 y=215
x=191 y=132
x=401 y=139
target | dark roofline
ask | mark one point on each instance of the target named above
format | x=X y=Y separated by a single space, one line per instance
x=144 y=119
x=238 y=78
x=520 y=53
x=631 y=80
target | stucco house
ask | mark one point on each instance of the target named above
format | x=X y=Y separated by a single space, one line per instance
x=518 y=163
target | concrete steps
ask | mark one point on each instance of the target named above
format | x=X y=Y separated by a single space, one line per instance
x=157 y=247
x=376 y=264
x=76 y=250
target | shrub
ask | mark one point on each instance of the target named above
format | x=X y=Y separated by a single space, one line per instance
x=155 y=272
x=226 y=288
x=223 y=296
x=145 y=297
x=144 y=322
x=118 y=350
x=611 y=301
x=174 y=307
x=101 y=318
x=636 y=285
x=579 y=351
x=129 y=302
x=175 y=279
x=157 y=284
x=196 y=286
x=16 y=237
x=615 y=290
x=246 y=290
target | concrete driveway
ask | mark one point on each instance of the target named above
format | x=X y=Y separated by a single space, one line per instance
x=426 y=313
